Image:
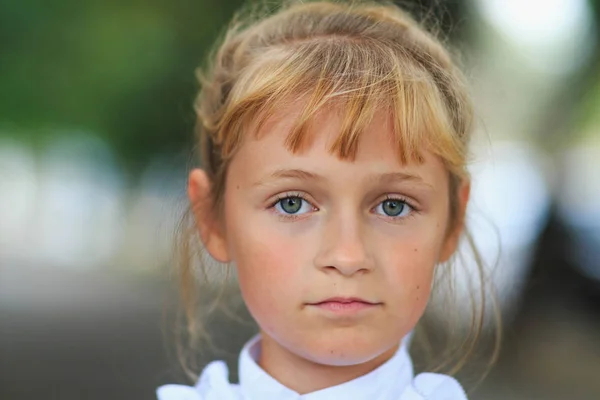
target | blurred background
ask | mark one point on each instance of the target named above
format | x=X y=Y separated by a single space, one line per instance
x=96 y=128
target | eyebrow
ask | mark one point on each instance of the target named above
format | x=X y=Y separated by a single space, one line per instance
x=299 y=174
x=397 y=177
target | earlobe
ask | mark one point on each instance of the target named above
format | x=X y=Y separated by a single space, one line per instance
x=207 y=224
x=453 y=237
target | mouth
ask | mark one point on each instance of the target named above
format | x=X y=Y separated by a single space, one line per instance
x=345 y=305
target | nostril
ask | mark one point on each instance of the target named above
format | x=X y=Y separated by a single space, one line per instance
x=345 y=270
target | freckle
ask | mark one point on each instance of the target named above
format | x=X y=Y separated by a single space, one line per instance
x=416 y=249
x=237 y=187
x=418 y=287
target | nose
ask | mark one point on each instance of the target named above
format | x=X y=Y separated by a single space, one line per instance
x=343 y=246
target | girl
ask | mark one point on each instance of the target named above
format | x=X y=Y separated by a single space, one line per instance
x=334 y=139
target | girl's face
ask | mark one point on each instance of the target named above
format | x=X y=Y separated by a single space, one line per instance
x=335 y=258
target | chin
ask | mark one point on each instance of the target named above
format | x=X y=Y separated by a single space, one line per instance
x=345 y=349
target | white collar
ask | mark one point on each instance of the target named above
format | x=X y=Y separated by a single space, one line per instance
x=393 y=380
x=388 y=381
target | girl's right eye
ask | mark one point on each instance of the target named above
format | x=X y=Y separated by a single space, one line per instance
x=292 y=205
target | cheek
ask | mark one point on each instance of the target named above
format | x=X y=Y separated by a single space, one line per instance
x=414 y=275
x=412 y=255
x=410 y=287
x=410 y=264
x=263 y=256
x=258 y=265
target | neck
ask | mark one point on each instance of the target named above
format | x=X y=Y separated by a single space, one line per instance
x=305 y=376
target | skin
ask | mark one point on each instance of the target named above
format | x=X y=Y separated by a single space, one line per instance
x=341 y=242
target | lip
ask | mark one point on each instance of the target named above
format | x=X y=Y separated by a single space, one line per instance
x=345 y=300
x=345 y=305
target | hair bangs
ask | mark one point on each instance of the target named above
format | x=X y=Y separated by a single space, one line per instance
x=346 y=76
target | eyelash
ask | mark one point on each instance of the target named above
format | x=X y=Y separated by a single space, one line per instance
x=292 y=217
x=288 y=217
x=405 y=201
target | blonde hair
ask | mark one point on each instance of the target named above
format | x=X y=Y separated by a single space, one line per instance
x=361 y=56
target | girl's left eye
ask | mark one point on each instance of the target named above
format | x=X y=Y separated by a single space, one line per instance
x=393 y=208
x=292 y=205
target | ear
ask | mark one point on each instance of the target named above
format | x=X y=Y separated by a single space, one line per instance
x=209 y=227
x=453 y=236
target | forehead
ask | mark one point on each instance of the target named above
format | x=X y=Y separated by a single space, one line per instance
x=323 y=132
x=267 y=150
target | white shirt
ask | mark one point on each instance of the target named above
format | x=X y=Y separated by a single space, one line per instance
x=393 y=380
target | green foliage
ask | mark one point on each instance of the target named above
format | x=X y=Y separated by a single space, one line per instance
x=123 y=70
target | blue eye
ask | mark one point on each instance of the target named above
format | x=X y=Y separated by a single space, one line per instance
x=292 y=205
x=394 y=208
